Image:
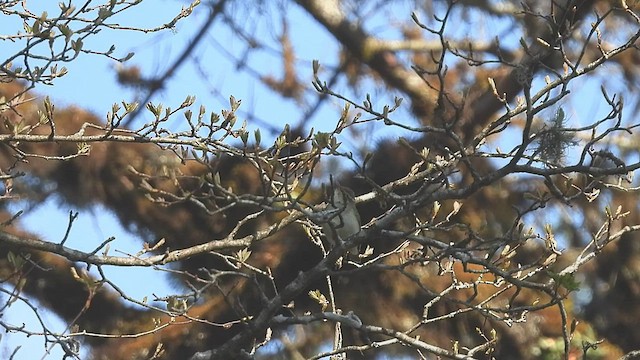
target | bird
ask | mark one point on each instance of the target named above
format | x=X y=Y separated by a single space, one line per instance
x=343 y=217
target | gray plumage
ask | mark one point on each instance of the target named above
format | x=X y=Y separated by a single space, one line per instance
x=344 y=219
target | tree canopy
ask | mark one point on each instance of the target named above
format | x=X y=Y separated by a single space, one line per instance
x=485 y=145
